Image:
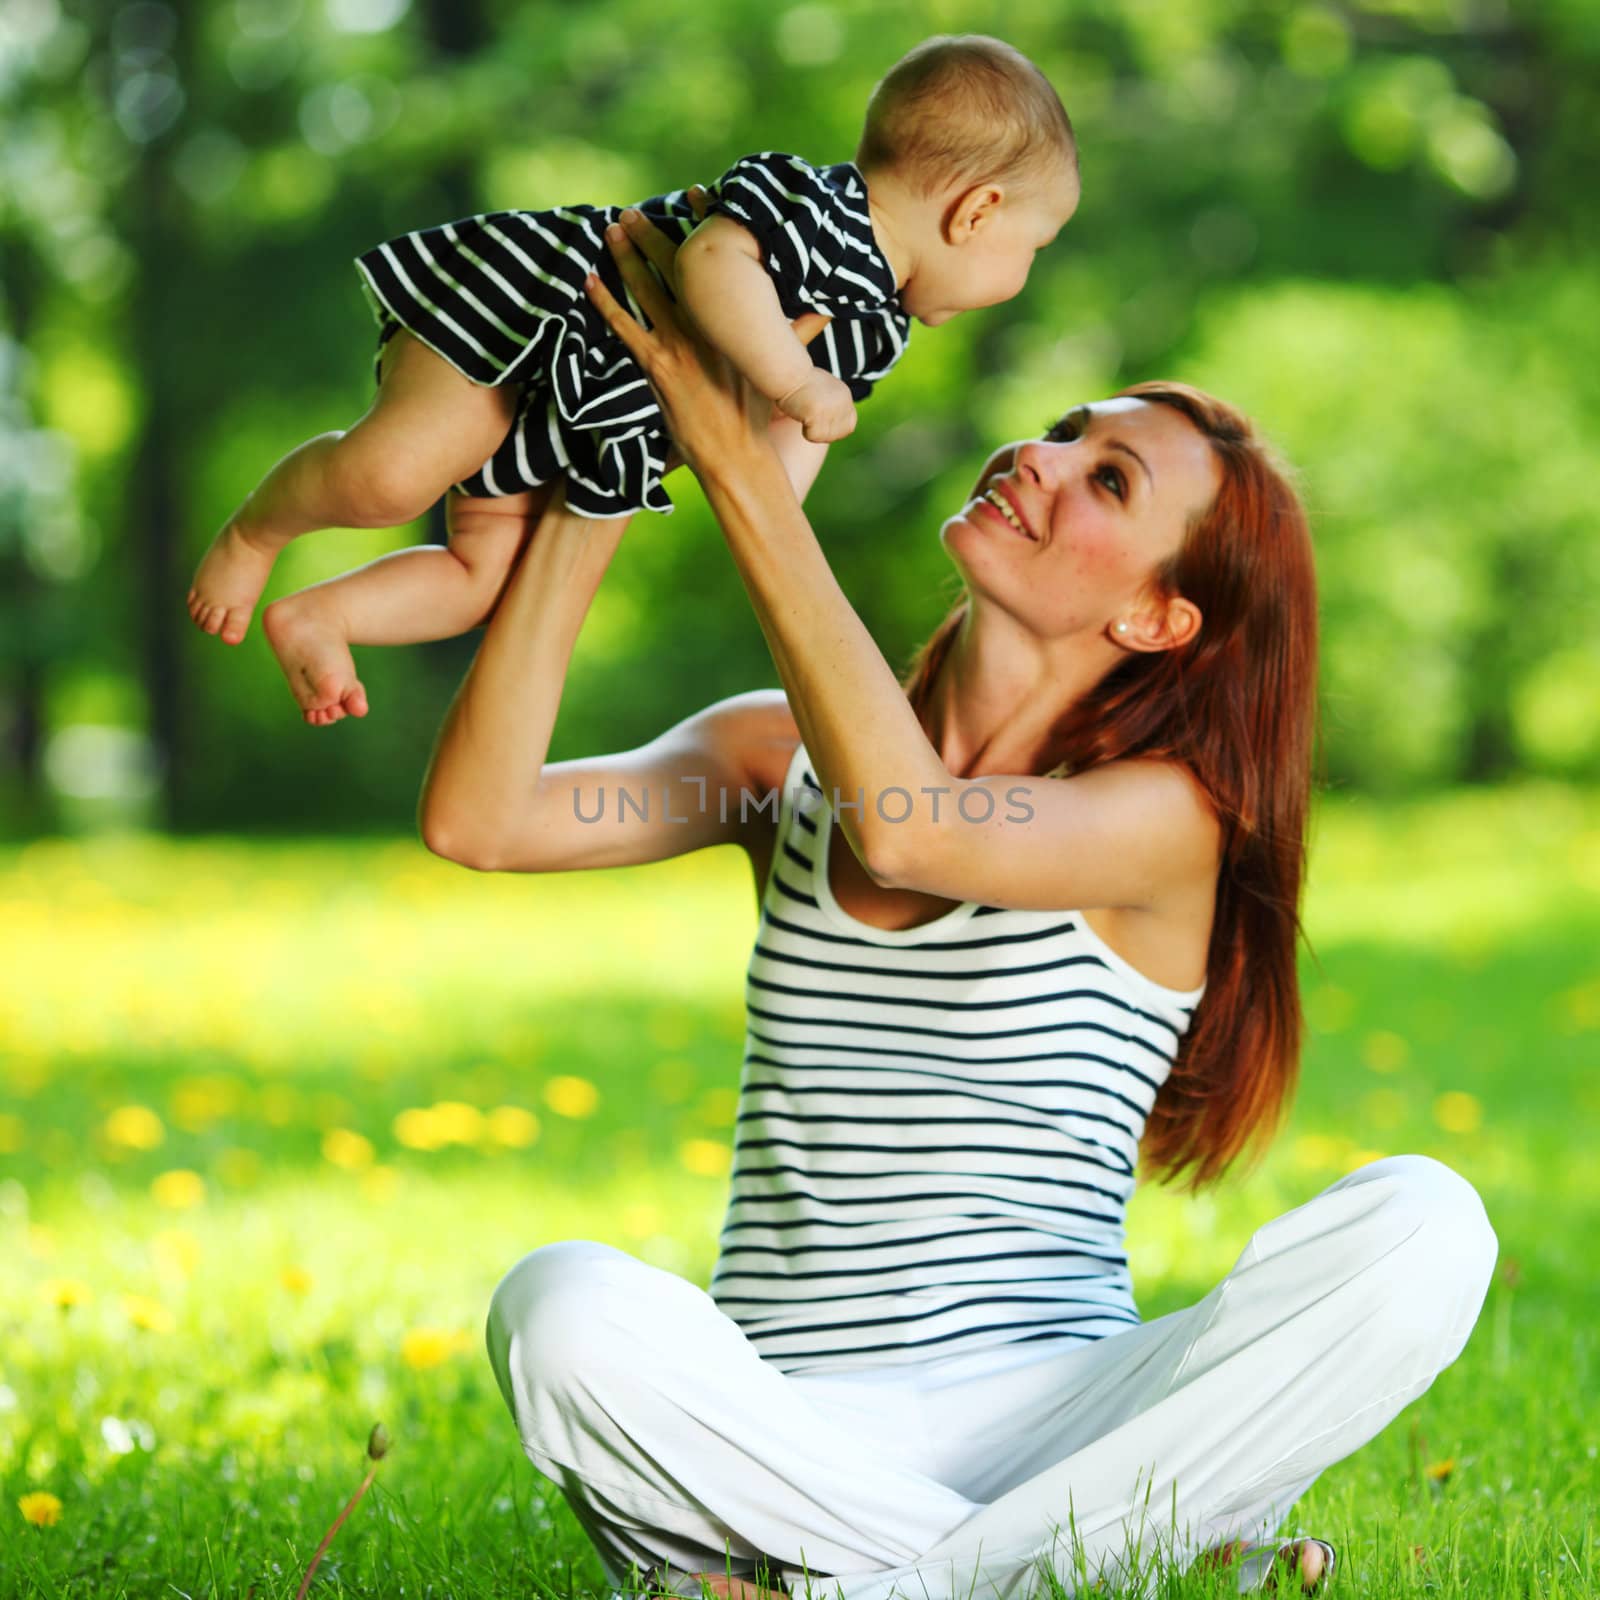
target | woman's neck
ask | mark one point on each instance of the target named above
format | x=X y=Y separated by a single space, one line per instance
x=994 y=704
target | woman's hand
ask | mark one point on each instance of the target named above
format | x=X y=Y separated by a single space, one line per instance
x=712 y=412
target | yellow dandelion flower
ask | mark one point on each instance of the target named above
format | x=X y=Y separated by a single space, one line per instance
x=40 y=1508
x=641 y=1218
x=13 y=1133
x=134 y=1128
x=422 y=1348
x=1362 y=1158
x=65 y=1293
x=1458 y=1112
x=296 y=1280
x=379 y=1184
x=707 y=1158
x=175 y=1252
x=571 y=1097
x=1440 y=1470
x=346 y=1148
x=151 y=1315
x=179 y=1190
x=455 y=1122
x=1385 y=1052
x=416 y=1129
x=512 y=1127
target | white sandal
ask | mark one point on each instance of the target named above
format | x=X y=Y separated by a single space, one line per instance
x=1259 y=1565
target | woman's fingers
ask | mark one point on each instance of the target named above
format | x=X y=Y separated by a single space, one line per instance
x=645 y=286
x=618 y=318
x=649 y=240
x=699 y=201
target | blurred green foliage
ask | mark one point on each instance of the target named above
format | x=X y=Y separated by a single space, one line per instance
x=1360 y=222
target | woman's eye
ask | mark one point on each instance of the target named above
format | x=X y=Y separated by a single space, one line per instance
x=1061 y=430
x=1113 y=480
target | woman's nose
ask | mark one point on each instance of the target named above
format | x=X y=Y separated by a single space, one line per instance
x=1042 y=460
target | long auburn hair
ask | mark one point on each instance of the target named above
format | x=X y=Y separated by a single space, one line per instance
x=1237 y=706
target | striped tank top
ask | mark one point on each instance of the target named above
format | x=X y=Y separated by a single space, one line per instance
x=937 y=1127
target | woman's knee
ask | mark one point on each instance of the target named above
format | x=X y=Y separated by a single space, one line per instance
x=1432 y=1244
x=1425 y=1195
x=543 y=1327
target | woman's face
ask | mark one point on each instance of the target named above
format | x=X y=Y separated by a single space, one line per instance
x=1104 y=499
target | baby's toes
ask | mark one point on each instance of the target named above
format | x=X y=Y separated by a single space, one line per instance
x=235 y=623
x=354 y=701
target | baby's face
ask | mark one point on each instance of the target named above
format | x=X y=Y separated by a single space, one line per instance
x=989 y=262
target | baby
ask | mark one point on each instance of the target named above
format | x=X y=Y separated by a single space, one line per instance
x=498 y=379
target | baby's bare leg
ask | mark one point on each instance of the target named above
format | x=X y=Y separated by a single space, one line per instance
x=427 y=592
x=428 y=428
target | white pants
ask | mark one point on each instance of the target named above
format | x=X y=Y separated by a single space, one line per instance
x=679 y=1448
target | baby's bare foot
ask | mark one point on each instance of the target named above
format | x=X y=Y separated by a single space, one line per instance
x=307 y=636
x=228 y=582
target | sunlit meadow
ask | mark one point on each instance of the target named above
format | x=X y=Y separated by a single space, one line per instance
x=275 y=1117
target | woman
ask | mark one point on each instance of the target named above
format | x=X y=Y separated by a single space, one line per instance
x=920 y=1365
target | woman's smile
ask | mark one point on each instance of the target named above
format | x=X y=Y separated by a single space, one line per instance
x=996 y=503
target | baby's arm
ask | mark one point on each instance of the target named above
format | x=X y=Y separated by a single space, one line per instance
x=723 y=282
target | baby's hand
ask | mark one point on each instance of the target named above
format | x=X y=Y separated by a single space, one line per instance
x=823 y=405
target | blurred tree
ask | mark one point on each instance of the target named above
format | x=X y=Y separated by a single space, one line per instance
x=148 y=55
x=20 y=588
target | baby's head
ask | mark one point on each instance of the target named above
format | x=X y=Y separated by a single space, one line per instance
x=970 y=157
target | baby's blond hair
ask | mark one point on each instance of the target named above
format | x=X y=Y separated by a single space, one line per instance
x=964 y=108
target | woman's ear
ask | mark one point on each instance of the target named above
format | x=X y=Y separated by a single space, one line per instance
x=1163 y=624
x=972 y=211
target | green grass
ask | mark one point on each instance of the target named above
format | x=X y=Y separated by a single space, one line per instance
x=272 y=1010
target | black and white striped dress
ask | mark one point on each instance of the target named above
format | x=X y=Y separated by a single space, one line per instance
x=937 y=1127
x=500 y=296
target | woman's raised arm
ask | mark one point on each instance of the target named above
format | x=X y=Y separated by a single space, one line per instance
x=1133 y=835
x=489 y=800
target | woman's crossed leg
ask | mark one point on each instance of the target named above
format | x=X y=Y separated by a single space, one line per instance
x=680 y=1449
